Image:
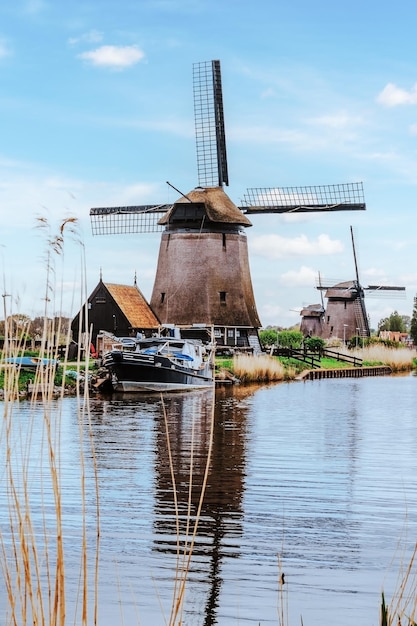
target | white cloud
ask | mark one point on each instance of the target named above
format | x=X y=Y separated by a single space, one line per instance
x=92 y=36
x=116 y=57
x=392 y=95
x=276 y=247
x=303 y=277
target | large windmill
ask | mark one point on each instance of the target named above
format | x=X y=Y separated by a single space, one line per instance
x=203 y=273
x=345 y=315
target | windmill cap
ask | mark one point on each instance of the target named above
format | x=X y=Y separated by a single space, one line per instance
x=218 y=206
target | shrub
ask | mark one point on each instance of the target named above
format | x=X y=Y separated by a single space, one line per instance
x=314 y=344
x=268 y=337
x=290 y=339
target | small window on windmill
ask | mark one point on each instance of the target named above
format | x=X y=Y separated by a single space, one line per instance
x=222 y=295
x=101 y=300
x=162 y=297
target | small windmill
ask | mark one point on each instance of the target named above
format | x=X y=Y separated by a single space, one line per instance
x=345 y=315
x=203 y=273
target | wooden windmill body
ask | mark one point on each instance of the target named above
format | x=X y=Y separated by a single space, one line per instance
x=203 y=274
x=203 y=268
x=345 y=315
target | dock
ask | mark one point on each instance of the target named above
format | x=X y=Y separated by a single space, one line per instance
x=345 y=372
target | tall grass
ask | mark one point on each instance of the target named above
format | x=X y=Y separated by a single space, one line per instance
x=185 y=547
x=33 y=542
x=262 y=368
x=398 y=359
x=402 y=609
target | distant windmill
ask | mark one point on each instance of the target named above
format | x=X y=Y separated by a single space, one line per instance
x=203 y=273
x=345 y=315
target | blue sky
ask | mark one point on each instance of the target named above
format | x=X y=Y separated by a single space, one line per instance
x=96 y=109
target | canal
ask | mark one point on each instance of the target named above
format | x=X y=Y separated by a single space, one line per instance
x=315 y=479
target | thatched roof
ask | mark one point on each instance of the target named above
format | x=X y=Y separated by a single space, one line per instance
x=133 y=305
x=218 y=206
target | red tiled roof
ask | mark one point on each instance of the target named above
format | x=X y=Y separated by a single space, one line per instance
x=133 y=305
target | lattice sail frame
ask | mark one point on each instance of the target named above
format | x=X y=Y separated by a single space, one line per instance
x=209 y=125
x=212 y=172
x=343 y=197
x=128 y=219
x=336 y=284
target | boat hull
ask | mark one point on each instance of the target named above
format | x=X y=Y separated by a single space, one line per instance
x=137 y=372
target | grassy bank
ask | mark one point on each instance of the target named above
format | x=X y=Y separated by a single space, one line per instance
x=265 y=368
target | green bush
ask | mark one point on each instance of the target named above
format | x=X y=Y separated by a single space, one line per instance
x=314 y=344
x=290 y=339
x=268 y=337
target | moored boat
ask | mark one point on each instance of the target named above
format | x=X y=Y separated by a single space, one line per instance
x=31 y=363
x=173 y=362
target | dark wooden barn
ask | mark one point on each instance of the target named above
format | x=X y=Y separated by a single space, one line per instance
x=118 y=309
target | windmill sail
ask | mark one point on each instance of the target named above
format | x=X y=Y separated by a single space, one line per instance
x=209 y=125
x=343 y=197
x=127 y=219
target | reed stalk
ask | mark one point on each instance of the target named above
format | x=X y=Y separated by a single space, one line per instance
x=184 y=550
x=33 y=542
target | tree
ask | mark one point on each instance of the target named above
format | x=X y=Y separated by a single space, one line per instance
x=413 y=325
x=314 y=344
x=268 y=337
x=290 y=338
x=394 y=322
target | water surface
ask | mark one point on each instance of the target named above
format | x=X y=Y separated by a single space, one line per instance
x=320 y=475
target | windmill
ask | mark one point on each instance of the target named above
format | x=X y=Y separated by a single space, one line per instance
x=345 y=315
x=203 y=273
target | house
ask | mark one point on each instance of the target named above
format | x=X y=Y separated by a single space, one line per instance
x=118 y=309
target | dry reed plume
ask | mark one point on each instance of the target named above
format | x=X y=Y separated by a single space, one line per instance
x=262 y=368
x=399 y=359
x=33 y=542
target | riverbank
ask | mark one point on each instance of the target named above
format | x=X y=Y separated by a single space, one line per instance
x=241 y=368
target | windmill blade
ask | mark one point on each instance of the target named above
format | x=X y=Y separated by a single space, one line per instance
x=389 y=291
x=127 y=219
x=344 y=197
x=354 y=256
x=209 y=125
